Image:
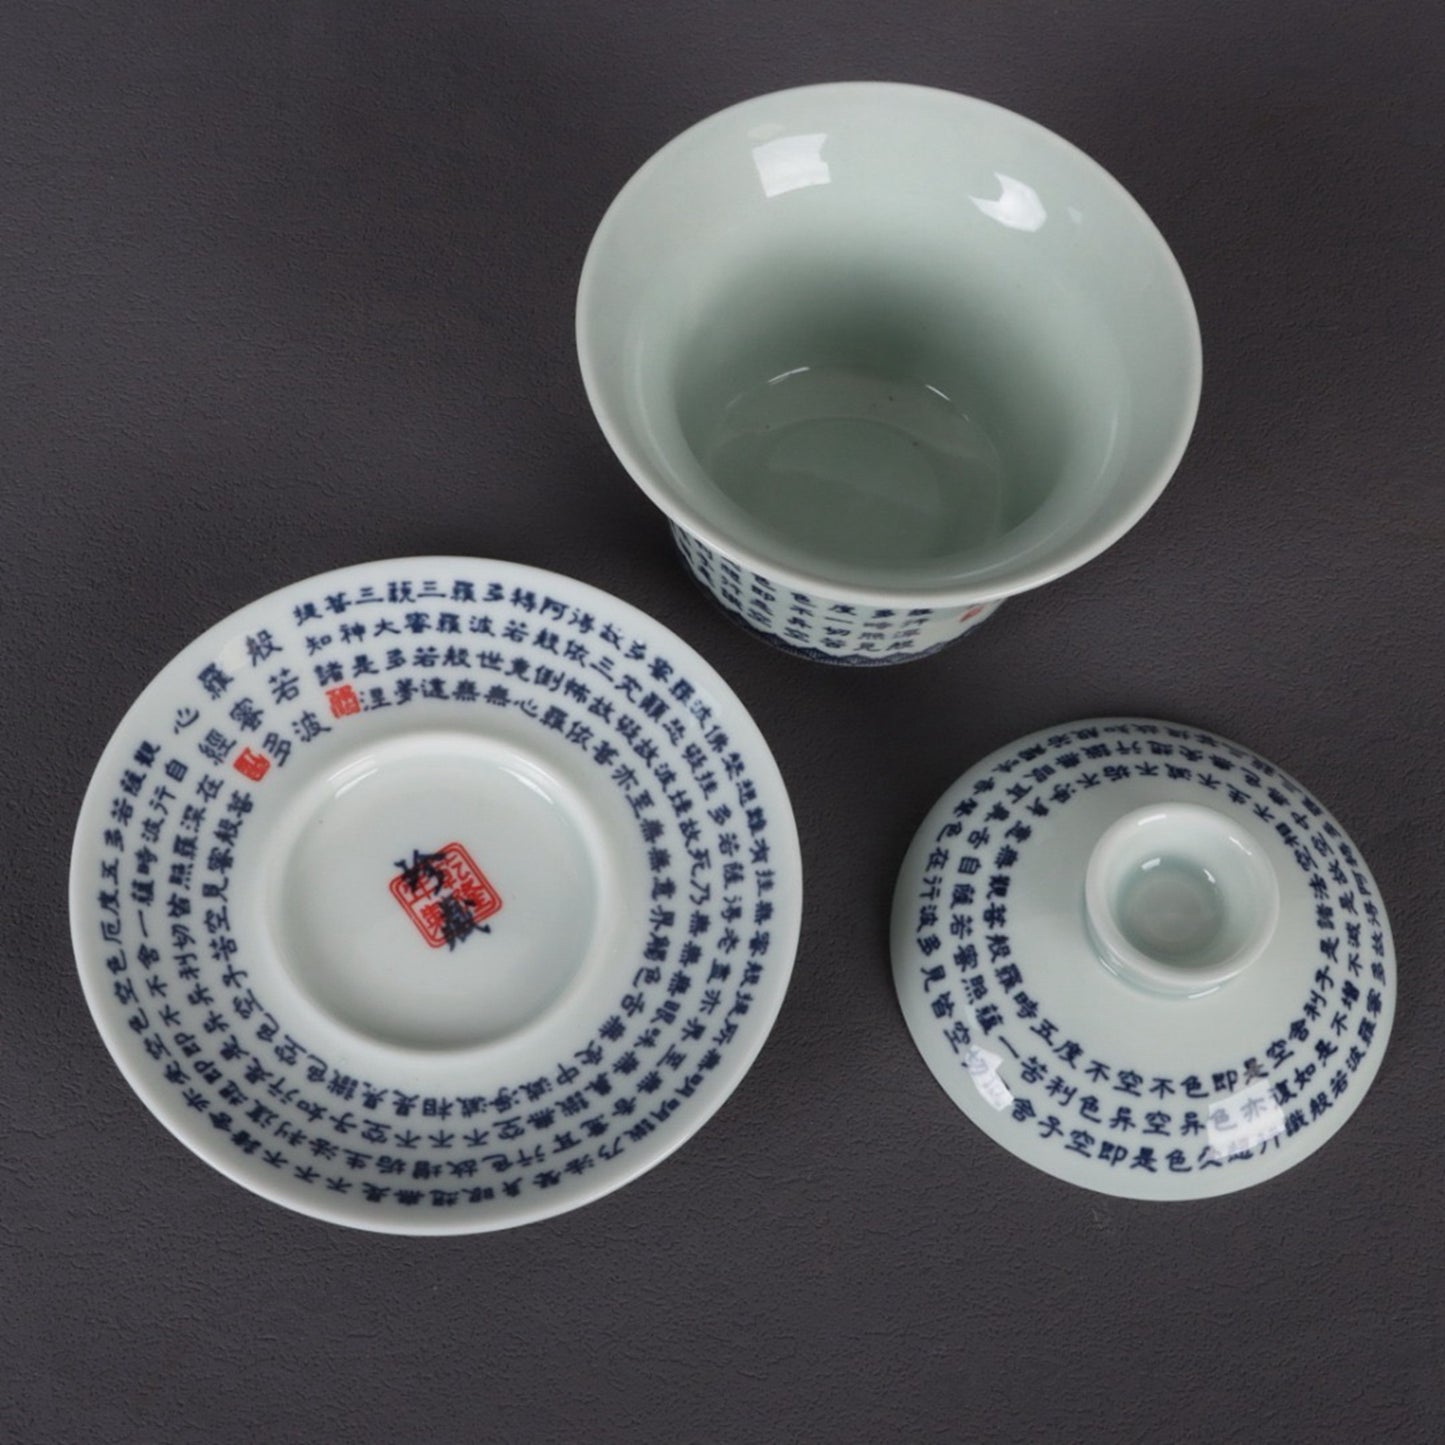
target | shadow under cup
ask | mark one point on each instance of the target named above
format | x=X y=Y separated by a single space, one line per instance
x=871 y=379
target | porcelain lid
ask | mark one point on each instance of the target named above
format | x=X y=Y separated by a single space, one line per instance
x=1143 y=959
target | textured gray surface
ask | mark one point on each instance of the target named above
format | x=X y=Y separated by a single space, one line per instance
x=286 y=286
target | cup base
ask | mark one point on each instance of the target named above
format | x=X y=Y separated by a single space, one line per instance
x=817 y=630
x=816 y=654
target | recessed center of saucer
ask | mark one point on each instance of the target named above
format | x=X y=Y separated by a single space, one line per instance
x=437 y=891
x=1179 y=899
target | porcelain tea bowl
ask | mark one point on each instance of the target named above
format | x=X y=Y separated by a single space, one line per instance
x=884 y=356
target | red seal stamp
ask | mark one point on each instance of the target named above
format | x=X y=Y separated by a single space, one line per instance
x=445 y=894
x=251 y=765
x=344 y=701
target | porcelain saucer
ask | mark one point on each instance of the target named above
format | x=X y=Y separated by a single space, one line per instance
x=435 y=895
x=1143 y=959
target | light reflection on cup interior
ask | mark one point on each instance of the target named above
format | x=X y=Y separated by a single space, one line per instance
x=887 y=341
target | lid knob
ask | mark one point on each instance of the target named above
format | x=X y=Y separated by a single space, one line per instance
x=1179 y=899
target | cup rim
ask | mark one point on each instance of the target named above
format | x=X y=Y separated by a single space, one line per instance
x=679 y=510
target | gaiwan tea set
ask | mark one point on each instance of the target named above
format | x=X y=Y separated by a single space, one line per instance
x=440 y=895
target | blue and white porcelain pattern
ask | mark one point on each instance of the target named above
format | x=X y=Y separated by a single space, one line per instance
x=436 y=895
x=1127 y=1089
x=810 y=626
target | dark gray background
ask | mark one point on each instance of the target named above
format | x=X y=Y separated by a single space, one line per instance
x=288 y=286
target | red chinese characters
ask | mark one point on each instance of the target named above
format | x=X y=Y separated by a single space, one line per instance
x=445 y=895
x=343 y=700
x=251 y=765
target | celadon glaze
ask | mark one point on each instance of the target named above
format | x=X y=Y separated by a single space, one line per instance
x=406 y=896
x=887 y=348
x=1143 y=959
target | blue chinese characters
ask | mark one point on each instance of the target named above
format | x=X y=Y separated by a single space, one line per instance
x=1048 y=1076
x=632 y=705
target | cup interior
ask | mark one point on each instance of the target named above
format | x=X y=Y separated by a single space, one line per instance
x=884 y=338
x=888 y=415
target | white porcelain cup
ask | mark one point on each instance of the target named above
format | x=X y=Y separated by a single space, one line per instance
x=884 y=356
